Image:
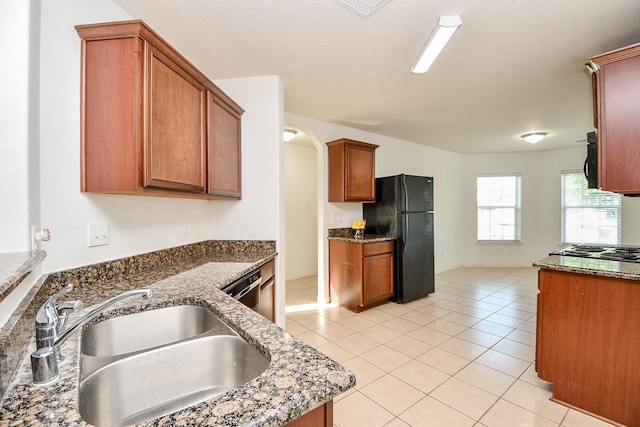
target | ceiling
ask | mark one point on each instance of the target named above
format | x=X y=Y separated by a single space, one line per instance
x=513 y=67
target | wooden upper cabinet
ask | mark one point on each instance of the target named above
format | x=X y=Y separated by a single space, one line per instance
x=225 y=158
x=151 y=122
x=351 y=171
x=175 y=147
x=617 y=112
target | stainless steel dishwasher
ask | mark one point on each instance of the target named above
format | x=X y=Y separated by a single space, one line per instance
x=246 y=289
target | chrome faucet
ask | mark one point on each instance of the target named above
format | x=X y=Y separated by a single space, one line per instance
x=50 y=333
x=52 y=318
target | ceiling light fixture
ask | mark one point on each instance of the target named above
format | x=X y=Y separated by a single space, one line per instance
x=289 y=134
x=447 y=25
x=534 y=137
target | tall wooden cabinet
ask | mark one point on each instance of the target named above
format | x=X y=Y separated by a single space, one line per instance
x=152 y=123
x=352 y=175
x=360 y=274
x=617 y=116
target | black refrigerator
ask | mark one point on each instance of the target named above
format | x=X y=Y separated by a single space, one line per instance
x=404 y=209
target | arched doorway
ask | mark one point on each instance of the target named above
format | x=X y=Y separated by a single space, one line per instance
x=301 y=220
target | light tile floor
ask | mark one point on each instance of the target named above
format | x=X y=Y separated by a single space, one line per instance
x=463 y=356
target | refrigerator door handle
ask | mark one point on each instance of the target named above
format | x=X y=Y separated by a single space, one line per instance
x=405 y=231
x=406 y=195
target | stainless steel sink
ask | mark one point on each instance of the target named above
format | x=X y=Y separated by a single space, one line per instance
x=149 y=329
x=145 y=365
x=154 y=383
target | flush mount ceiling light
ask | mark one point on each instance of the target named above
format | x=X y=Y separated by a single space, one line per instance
x=447 y=25
x=534 y=138
x=289 y=134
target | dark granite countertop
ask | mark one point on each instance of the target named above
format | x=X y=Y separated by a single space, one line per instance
x=347 y=235
x=596 y=267
x=298 y=378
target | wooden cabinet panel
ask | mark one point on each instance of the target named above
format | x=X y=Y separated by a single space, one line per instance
x=267 y=299
x=268 y=291
x=268 y=270
x=617 y=104
x=588 y=341
x=176 y=142
x=225 y=178
x=378 y=277
x=110 y=153
x=351 y=171
x=319 y=417
x=152 y=123
x=360 y=274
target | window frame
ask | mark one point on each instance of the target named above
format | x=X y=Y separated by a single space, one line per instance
x=517 y=209
x=564 y=208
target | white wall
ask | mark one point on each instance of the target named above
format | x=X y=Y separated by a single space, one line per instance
x=541 y=203
x=141 y=224
x=18 y=103
x=301 y=201
x=394 y=156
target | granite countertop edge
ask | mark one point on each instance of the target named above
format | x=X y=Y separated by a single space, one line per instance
x=371 y=238
x=16 y=266
x=297 y=380
x=595 y=267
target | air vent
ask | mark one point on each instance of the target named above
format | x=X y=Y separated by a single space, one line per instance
x=364 y=8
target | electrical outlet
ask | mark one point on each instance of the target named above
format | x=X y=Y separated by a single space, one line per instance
x=185 y=225
x=98 y=233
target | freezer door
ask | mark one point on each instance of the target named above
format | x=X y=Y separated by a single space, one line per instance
x=415 y=193
x=414 y=257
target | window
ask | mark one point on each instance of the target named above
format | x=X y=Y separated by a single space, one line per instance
x=499 y=208
x=589 y=216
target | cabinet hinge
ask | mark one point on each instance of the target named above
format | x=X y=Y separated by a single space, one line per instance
x=592 y=67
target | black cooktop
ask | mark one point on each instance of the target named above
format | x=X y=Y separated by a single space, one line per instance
x=613 y=253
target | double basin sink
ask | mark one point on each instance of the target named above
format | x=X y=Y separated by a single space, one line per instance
x=145 y=365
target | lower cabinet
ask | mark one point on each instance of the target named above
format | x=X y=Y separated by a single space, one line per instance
x=319 y=417
x=268 y=291
x=588 y=343
x=360 y=273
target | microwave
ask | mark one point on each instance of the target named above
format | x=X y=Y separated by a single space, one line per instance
x=591 y=162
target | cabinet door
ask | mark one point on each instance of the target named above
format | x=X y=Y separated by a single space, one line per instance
x=360 y=180
x=618 y=98
x=377 y=277
x=175 y=137
x=267 y=299
x=224 y=169
x=351 y=171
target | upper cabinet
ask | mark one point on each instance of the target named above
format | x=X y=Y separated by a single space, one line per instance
x=352 y=175
x=152 y=124
x=617 y=115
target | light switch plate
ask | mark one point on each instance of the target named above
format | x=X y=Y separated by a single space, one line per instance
x=98 y=233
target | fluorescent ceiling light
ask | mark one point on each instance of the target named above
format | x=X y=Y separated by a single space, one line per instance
x=447 y=25
x=534 y=138
x=289 y=134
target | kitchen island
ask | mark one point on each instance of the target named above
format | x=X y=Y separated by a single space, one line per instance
x=588 y=335
x=299 y=380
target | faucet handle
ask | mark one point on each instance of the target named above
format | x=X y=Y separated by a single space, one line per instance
x=63 y=310
x=68 y=306
x=48 y=313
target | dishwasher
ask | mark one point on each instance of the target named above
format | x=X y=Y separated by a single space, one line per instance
x=246 y=289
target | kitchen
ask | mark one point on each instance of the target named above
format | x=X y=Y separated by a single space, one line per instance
x=140 y=225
